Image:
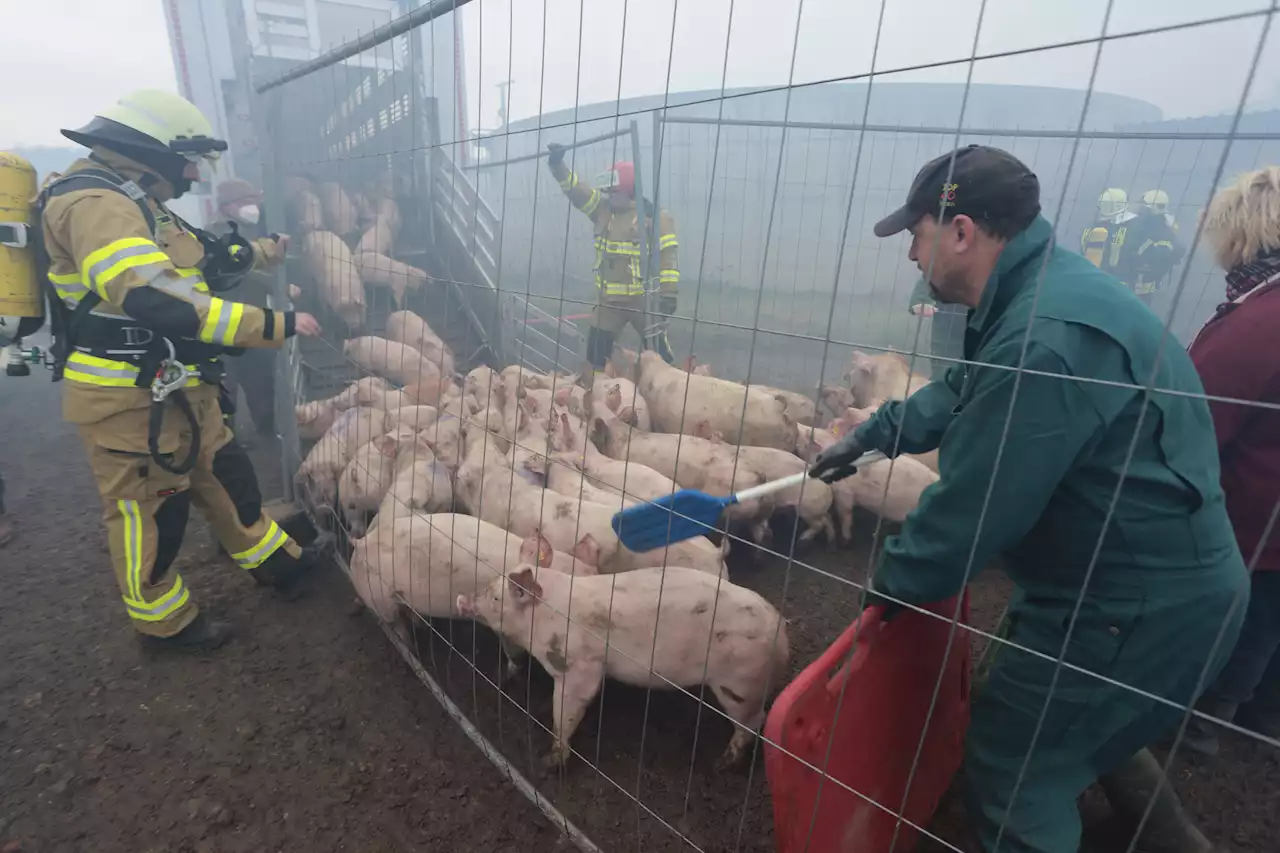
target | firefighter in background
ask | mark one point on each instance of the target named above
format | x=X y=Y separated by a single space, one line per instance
x=140 y=334
x=1157 y=201
x=623 y=297
x=1104 y=242
x=254 y=370
x=1157 y=250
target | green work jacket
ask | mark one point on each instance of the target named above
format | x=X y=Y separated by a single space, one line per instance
x=1031 y=458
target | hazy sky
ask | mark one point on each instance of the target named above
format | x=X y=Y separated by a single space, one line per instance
x=1190 y=72
x=64 y=59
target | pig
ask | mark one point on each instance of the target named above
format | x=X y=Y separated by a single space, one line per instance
x=569 y=481
x=513 y=376
x=811 y=500
x=431 y=559
x=692 y=462
x=835 y=399
x=318 y=474
x=636 y=481
x=306 y=212
x=651 y=628
x=393 y=360
x=315 y=418
x=378 y=237
x=798 y=407
x=423 y=485
x=485 y=386
x=408 y=328
x=376 y=268
x=418 y=418
x=445 y=439
x=619 y=395
x=514 y=500
x=366 y=478
x=906 y=480
x=329 y=262
x=852 y=418
x=678 y=401
x=340 y=215
x=886 y=376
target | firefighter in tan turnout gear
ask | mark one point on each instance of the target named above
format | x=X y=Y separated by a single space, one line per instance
x=138 y=333
x=624 y=293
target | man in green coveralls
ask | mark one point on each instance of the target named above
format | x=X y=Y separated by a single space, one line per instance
x=1102 y=499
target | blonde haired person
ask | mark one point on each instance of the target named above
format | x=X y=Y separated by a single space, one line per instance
x=1238 y=358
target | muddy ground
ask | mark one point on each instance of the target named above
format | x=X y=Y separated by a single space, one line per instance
x=308 y=733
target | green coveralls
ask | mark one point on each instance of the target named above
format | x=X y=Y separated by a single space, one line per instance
x=1168 y=567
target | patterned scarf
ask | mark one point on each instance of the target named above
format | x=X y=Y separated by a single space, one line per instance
x=1243 y=278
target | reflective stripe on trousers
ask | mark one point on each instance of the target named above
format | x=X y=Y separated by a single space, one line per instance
x=251 y=558
x=138 y=607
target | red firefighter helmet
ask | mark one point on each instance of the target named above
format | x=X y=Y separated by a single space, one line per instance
x=620 y=179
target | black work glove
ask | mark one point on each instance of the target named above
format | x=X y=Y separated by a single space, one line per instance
x=555 y=154
x=837 y=461
x=667 y=303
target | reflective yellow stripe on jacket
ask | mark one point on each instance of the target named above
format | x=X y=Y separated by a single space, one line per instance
x=222 y=322
x=101 y=267
x=107 y=373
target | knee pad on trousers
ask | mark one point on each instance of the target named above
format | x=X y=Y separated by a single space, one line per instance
x=171 y=524
x=599 y=347
x=232 y=468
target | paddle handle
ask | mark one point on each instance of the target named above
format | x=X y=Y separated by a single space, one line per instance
x=796 y=479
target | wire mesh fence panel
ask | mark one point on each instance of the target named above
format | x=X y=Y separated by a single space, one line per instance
x=488 y=407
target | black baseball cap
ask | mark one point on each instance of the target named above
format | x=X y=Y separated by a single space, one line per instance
x=986 y=184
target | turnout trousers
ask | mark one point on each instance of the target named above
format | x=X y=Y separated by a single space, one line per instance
x=612 y=314
x=145 y=508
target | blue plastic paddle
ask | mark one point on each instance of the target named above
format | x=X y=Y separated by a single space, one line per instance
x=687 y=513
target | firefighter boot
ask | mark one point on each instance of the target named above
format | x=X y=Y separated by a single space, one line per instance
x=201 y=635
x=6 y=529
x=1140 y=781
x=285 y=574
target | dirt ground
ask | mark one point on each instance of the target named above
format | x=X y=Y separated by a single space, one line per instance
x=308 y=733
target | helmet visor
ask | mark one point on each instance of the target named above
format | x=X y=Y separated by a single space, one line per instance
x=609 y=181
x=198 y=148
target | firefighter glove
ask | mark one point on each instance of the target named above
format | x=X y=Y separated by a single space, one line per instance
x=838 y=461
x=555 y=154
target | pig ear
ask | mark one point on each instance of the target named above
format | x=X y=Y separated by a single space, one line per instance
x=627 y=414
x=610 y=369
x=522 y=585
x=588 y=550
x=536 y=463
x=814 y=447
x=613 y=397
x=689 y=364
x=386 y=444
x=535 y=550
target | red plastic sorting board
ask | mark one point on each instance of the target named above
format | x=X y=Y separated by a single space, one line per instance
x=871 y=745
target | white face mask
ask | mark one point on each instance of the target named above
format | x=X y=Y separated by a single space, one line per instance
x=249 y=213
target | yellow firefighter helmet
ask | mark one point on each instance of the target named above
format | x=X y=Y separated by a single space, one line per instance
x=1112 y=203
x=1156 y=201
x=157 y=129
x=21 y=302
